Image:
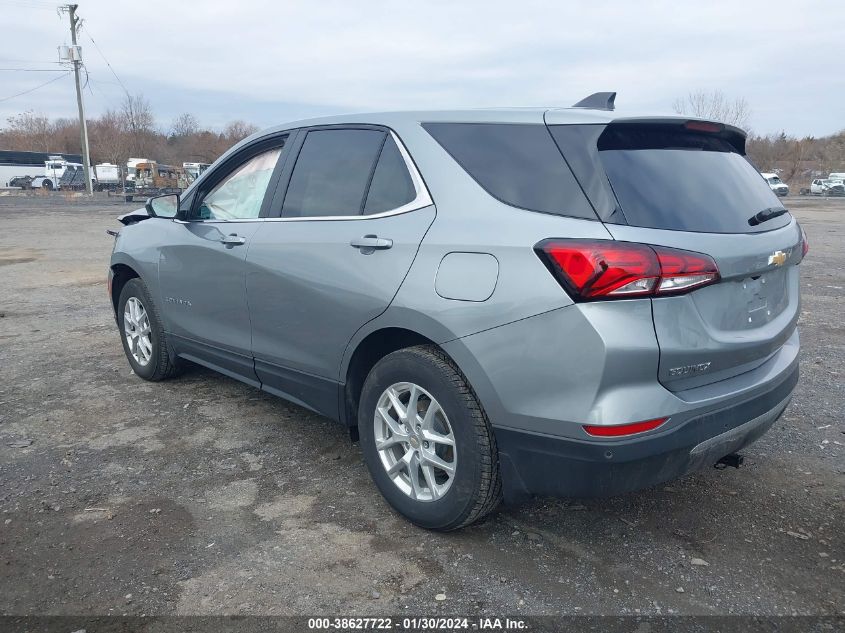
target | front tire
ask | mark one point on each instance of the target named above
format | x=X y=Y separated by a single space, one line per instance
x=144 y=341
x=426 y=440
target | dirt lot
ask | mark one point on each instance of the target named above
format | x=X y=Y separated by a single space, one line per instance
x=205 y=496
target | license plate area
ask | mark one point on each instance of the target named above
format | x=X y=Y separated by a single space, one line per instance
x=762 y=297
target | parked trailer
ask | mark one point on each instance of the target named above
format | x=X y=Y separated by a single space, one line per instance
x=33 y=165
x=107 y=177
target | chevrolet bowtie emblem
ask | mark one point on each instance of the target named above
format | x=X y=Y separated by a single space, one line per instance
x=777 y=258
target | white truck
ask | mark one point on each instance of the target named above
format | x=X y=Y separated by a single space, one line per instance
x=776 y=184
x=61 y=174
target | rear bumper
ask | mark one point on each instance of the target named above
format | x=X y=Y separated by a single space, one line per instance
x=540 y=464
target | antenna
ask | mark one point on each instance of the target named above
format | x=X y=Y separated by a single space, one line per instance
x=598 y=101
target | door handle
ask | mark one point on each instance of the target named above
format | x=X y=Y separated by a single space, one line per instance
x=233 y=239
x=370 y=243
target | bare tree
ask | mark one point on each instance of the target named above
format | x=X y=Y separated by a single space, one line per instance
x=238 y=130
x=184 y=125
x=30 y=132
x=66 y=135
x=109 y=137
x=794 y=159
x=140 y=123
x=715 y=106
x=206 y=146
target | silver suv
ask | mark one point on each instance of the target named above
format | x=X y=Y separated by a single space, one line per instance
x=496 y=302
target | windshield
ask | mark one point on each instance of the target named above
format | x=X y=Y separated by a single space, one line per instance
x=668 y=177
x=775 y=181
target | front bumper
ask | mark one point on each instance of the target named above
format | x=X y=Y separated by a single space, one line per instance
x=539 y=464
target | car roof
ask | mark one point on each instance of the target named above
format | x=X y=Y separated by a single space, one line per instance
x=477 y=115
x=536 y=115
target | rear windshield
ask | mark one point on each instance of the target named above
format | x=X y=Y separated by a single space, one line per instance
x=518 y=164
x=667 y=177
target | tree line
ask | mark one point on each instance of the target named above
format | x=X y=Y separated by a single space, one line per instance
x=132 y=131
x=794 y=158
x=119 y=134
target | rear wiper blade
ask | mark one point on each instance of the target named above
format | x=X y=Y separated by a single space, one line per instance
x=766 y=214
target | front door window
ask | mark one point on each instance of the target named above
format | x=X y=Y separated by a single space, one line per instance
x=239 y=195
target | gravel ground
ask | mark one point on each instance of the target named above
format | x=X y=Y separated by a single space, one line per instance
x=205 y=496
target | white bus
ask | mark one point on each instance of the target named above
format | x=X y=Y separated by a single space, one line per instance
x=19 y=169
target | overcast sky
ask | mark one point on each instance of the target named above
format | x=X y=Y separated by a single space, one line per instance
x=277 y=60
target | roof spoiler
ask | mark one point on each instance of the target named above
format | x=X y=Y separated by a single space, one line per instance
x=598 y=101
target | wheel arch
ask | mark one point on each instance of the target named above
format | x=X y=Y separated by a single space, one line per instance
x=366 y=353
x=121 y=274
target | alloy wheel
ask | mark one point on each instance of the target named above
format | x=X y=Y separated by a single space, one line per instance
x=415 y=441
x=136 y=328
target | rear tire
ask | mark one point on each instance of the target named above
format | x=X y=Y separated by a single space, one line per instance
x=47 y=185
x=460 y=439
x=144 y=341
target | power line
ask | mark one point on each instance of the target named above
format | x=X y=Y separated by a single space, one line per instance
x=32 y=70
x=88 y=33
x=5 y=60
x=30 y=4
x=26 y=92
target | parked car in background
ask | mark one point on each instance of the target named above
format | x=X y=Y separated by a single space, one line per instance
x=496 y=302
x=776 y=184
x=838 y=176
x=826 y=187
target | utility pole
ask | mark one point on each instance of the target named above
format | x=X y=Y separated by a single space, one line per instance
x=83 y=126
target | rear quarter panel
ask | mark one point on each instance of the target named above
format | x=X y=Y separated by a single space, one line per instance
x=471 y=221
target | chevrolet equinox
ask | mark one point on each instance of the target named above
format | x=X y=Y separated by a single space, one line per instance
x=497 y=303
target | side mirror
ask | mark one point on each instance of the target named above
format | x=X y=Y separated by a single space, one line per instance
x=166 y=206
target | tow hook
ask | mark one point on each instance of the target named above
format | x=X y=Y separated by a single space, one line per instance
x=734 y=459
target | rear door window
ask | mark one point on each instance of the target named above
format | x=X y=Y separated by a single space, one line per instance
x=667 y=177
x=332 y=173
x=518 y=164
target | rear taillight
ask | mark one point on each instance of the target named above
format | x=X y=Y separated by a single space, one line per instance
x=604 y=269
x=805 y=245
